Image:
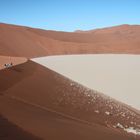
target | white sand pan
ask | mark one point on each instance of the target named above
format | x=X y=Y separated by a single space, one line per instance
x=113 y=74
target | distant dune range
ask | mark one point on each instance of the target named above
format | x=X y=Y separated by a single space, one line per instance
x=38 y=103
x=30 y=42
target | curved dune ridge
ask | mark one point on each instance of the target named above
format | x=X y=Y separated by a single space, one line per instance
x=115 y=75
x=43 y=102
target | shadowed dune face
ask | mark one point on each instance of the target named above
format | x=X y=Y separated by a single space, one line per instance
x=9 y=131
x=29 y=42
x=38 y=93
x=11 y=76
x=52 y=126
x=7 y=78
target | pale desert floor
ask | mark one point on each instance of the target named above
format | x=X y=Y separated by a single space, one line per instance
x=115 y=75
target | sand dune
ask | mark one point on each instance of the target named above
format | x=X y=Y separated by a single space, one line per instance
x=14 y=60
x=9 y=131
x=30 y=42
x=38 y=103
x=50 y=106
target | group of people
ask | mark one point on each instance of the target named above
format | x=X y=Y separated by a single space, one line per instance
x=8 y=65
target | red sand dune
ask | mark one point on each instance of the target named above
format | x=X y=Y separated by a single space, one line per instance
x=14 y=60
x=9 y=131
x=50 y=106
x=37 y=103
x=30 y=42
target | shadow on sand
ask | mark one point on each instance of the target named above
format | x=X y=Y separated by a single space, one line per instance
x=9 y=131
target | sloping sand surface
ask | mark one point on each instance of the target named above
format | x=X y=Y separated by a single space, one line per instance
x=38 y=103
x=9 y=59
x=30 y=42
x=51 y=126
x=9 y=131
x=50 y=106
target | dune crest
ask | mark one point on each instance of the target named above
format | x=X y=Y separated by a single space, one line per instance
x=4 y=60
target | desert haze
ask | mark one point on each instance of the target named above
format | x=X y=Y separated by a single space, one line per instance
x=46 y=94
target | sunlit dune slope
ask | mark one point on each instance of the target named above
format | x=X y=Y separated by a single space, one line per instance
x=43 y=102
x=117 y=75
x=8 y=60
